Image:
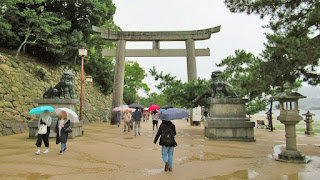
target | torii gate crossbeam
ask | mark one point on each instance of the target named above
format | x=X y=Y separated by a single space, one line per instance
x=155 y=36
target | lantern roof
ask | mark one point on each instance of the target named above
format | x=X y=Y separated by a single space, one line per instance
x=308 y=114
x=288 y=95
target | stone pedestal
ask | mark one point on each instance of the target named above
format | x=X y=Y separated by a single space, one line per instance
x=56 y=103
x=228 y=121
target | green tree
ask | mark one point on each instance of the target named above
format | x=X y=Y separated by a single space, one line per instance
x=52 y=30
x=154 y=98
x=182 y=94
x=31 y=24
x=133 y=81
x=292 y=51
x=244 y=72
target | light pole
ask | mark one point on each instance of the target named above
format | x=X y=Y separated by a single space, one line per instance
x=82 y=54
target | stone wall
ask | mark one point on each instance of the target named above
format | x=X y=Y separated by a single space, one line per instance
x=23 y=80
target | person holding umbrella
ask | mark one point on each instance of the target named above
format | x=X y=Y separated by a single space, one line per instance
x=43 y=126
x=155 y=118
x=43 y=131
x=127 y=120
x=167 y=133
x=62 y=129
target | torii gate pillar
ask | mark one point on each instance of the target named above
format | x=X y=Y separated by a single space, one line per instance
x=191 y=60
x=118 y=80
x=121 y=52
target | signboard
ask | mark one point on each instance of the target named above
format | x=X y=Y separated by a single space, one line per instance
x=197 y=114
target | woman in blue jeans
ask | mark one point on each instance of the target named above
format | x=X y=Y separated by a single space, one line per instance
x=167 y=132
x=61 y=135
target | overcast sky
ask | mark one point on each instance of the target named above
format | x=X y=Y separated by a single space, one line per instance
x=238 y=31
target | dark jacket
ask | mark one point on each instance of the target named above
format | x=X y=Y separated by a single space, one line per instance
x=64 y=135
x=137 y=115
x=165 y=124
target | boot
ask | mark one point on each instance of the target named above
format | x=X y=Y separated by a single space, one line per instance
x=166 y=167
x=170 y=169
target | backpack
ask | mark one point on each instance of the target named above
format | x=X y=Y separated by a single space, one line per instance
x=167 y=136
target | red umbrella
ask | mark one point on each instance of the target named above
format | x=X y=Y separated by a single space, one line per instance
x=153 y=107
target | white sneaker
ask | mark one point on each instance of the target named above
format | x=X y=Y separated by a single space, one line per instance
x=38 y=152
x=46 y=151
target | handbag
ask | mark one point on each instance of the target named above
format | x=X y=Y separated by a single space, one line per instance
x=68 y=130
x=42 y=129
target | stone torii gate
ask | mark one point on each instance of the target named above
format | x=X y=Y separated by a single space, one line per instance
x=155 y=36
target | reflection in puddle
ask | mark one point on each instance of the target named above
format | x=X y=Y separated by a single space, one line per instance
x=33 y=176
x=241 y=174
x=154 y=171
x=311 y=170
x=198 y=139
x=128 y=138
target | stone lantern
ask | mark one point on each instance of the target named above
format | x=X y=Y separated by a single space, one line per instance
x=308 y=123
x=289 y=116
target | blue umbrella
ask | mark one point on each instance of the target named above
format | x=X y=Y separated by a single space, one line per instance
x=174 y=114
x=41 y=109
x=161 y=110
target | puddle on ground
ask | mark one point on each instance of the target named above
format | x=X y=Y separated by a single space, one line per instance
x=33 y=176
x=128 y=138
x=241 y=174
x=310 y=171
x=154 y=171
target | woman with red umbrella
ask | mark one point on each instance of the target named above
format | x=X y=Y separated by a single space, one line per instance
x=155 y=115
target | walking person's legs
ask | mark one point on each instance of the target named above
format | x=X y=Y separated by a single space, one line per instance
x=39 y=143
x=164 y=152
x=46 y=143
x=139 y=127
x=135 y=128
x=170 y=154
x=63 y=145
x=125 y=124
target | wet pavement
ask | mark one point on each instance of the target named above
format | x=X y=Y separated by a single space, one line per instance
x=106 y=152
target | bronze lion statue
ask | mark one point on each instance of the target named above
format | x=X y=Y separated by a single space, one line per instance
x=62 y=89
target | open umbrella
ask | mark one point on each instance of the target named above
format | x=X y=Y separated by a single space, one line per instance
x=153 y=107
x=121 y=108
x=166 y=107
x=173 y=114
x=41 y=109
x=71 y=115
x=135 y=105
x=161 y=110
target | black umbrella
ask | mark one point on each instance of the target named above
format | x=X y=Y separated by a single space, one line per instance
x=135 y=105
x=166 y=107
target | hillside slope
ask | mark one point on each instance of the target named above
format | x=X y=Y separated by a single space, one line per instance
x=23 y=80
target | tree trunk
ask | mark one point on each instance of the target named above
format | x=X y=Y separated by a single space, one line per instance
x=270 y=123
x=26 y=37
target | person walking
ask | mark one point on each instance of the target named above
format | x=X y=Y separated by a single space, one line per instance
x=43 y=132
x=127 y=120
x=167 y=133
x=62 y=129
x=118 y=118
x=155 y=118
x=137 y=115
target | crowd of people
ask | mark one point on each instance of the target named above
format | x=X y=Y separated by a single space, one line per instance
x=132 y=121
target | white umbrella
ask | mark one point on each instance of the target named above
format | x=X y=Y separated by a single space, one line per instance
x=120 y=108
x=71 y=115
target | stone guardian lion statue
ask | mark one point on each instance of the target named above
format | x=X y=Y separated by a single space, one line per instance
x=64 y=88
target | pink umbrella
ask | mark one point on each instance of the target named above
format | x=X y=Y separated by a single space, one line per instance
x=153 y=107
